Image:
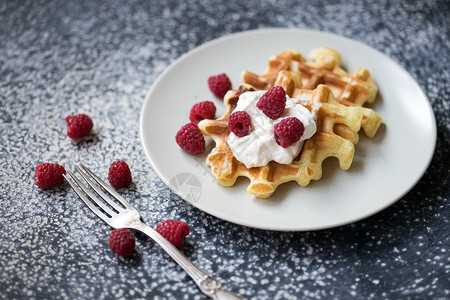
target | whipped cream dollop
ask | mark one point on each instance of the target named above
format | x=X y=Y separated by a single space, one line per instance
x=259 y=147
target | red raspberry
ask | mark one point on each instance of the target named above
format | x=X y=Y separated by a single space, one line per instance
x=202 y=110
x=48 y=175
x=272 y=103
x=122 y=241
x=78 y=126
x=219 y=84
x=190 y=139
x=288 y=131
x=119 y=174
x=174 y=231
x=240 y=123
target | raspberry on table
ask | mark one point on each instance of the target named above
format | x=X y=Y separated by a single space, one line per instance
x=288 y=131
x=240 y=123
x=48 y=175
x=273 y=102
x=122 y=241
x=190 y=139
x=174 y=231
x=202 y=110
x=119 y=175
x=79 y=125
x=219 y=84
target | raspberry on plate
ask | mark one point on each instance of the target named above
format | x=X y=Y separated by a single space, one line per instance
x=240 y=123
x=122 y=241
x=219 y=84
x=288 y=131
x=119 y=175
x=174 y=231
x=190 y=139
x=273 y=102
x=48 y=175
x=202 y=110
x=79 y=125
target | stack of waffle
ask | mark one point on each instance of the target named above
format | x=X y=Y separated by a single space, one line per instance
x=334 y=96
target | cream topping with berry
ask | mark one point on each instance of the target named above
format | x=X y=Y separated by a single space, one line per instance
x=259 y=147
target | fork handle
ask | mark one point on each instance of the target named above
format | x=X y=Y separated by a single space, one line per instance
x=207 y=284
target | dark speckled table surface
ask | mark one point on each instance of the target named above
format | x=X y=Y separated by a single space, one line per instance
x=101 y=57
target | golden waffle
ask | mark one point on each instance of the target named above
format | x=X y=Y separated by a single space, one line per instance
x=308 y=164
x=349 y=89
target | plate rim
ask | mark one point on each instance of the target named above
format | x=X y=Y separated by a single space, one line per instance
x=240 y=222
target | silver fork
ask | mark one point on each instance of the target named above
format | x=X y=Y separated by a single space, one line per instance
x=125 y=215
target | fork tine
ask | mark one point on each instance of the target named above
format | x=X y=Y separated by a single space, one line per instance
x=108 y=200
x=86 y=200
x=107 y=187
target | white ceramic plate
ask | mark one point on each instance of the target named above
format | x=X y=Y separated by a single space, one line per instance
x=384 y=168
